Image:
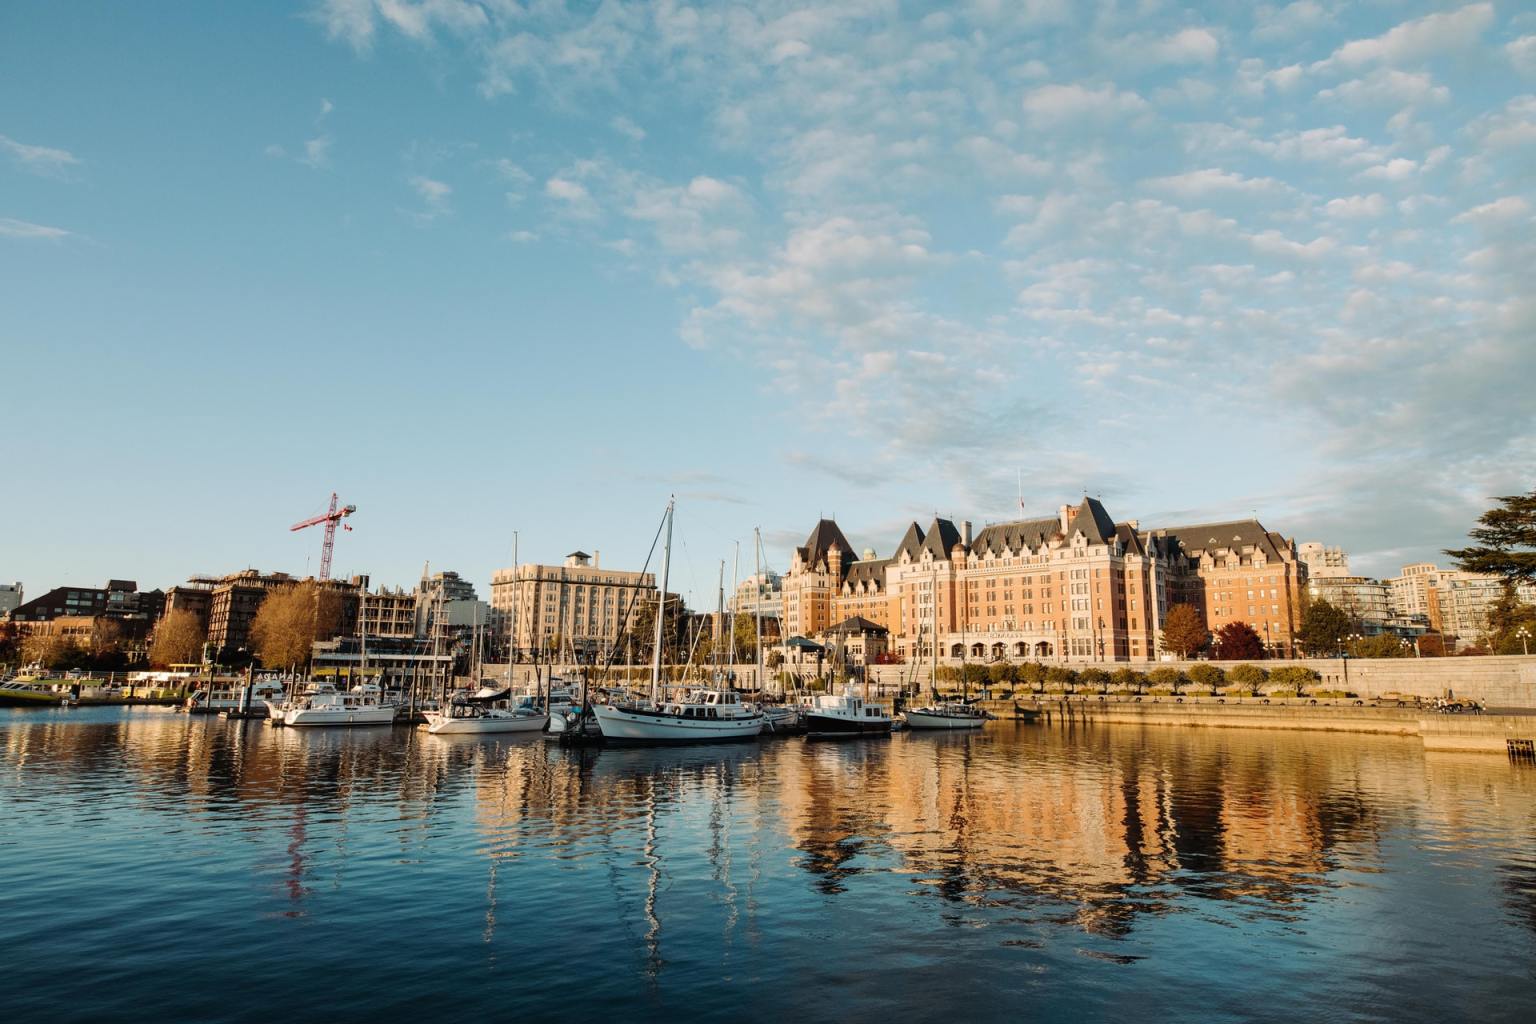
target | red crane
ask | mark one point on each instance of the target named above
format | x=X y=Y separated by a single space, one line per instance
x=330 y=519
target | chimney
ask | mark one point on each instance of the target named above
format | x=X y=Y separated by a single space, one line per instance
x=1065 y=515
x=597 y=558
x=965 y=534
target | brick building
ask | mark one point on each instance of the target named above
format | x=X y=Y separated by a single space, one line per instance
x=1077 y=586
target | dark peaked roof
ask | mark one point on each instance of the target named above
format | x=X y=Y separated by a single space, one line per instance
x=868 y=571
x=911 y=542
x=856 y=624
x=942 y=538
x=1093 y=521
x=1000 y=537
x=1239 y=533
x=821 y=540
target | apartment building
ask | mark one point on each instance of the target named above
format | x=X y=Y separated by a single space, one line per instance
x=579 y=605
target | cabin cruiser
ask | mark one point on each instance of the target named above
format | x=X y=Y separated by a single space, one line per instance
x=323 y=704
x=843 y=714
x=949 y=715
x=699 y=716
x=487 y=710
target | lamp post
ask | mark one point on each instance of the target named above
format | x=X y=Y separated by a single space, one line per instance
x=1525 y=639
x=1101 y=638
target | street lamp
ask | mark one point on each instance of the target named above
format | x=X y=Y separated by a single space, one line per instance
x=1525 y=639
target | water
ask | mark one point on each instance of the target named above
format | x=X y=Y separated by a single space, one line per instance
x=164 y=867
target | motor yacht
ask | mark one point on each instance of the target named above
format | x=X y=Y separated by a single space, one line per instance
x=844 y=714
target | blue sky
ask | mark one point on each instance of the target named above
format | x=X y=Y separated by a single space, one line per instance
x=495 y=266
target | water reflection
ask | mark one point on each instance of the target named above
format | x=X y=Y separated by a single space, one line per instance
x=1108 y=845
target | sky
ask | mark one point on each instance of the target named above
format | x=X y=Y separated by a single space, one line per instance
x=487 y=268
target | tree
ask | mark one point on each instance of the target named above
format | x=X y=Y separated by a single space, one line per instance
x=1383 y=645
x=1246 y=677
x=1505 y=541
x=54 y=651
x=178 y=640
x=1238 y=641
x=1096 y=679
x=1293 y=677
x=291 y=620
x=11 y=642
x=1323 y=628
x=1058 y=677
x=1431 y=645
x=1128 y=679
x=1166 y=678
x=1207 y=675
x=1184 y=630
x=1506 y=618
x=1032 y=674
x=106 y=638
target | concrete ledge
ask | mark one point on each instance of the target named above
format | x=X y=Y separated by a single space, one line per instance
x=1315 y=718
x=1482 y=733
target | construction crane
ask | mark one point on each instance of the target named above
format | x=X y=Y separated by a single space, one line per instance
x=333 y=516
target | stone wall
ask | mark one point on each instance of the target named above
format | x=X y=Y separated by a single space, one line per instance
x=1500 y=682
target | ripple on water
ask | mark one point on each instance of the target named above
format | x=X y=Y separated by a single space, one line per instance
x=1082 y=874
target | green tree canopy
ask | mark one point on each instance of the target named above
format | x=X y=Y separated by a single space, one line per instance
x=1505 y=541
x=1206 y=674
x=1383 y=645
x=1323 y=628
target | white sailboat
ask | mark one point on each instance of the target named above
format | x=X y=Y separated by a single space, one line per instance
x=943 y=714
x=700 y=716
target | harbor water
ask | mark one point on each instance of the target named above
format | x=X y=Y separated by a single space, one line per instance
x=165 y=867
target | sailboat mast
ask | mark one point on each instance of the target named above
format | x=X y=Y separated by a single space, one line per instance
x=512 y=616
x=720 y=626
x=661 y=602
x=757 y=603
x=362 y=632
x=933 y=614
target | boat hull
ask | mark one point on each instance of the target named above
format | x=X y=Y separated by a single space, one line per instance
x=27 y=699
x=824 y=725
x=635 y=726
x=300 y=717
x=918 y=719
x=440 y=726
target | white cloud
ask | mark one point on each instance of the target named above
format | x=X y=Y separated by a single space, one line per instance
x=12 y=228
x=567 y=191
x=434 y=195
x=44 y=160
x=1187 y=46
x=1355 y=207
x=1434 y=34
x=1397 y=169
x=1214 y=181
x=1054 y=106
x=1388 y=87
x=1304 y=16
x=317 y=152
x=627 y=128
x=1522 y=53
x=522 y=236
x=1506 y=210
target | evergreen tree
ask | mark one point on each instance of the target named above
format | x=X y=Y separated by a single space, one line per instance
x=1505 y=541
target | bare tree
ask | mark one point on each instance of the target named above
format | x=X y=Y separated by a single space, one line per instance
x=178 y=640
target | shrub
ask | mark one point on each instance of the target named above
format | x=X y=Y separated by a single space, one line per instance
x=1031 y=673
x=1003 y=672
x=1166 y=679
x=1206 y=674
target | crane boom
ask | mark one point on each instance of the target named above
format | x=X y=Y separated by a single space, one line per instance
x=330 y=518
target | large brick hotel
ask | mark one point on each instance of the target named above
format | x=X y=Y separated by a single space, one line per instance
x=1077 y=586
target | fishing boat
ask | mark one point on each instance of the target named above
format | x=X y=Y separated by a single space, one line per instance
x=323 y=704
x=948 y=715
x=705 y=715
x=845 y=714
